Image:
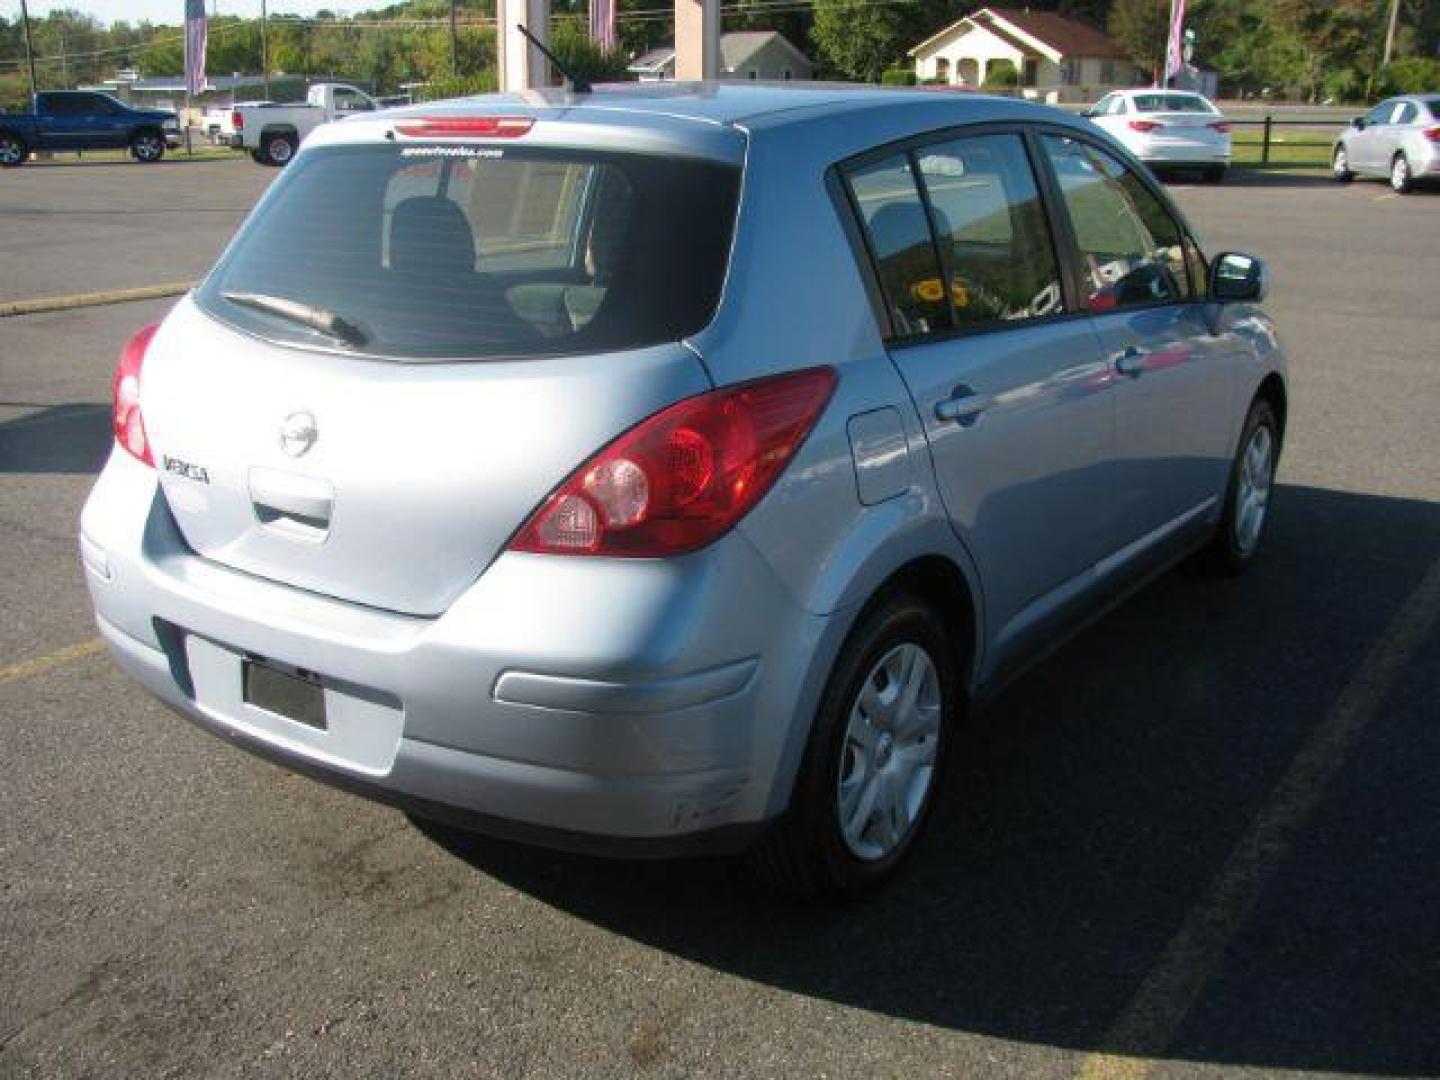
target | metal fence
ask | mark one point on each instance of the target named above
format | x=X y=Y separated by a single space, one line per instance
x=1276 y=148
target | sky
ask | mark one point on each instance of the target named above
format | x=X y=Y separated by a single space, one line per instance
x=170 y=11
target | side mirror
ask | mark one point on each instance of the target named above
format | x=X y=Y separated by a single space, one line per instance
x=1238 y=277
x=1358 y=123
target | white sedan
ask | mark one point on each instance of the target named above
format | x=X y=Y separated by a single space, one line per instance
x=1167 y=128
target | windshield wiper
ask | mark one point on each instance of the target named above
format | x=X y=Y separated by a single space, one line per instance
x=316 y=318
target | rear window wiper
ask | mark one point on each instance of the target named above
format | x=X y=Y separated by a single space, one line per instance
x=316 y=318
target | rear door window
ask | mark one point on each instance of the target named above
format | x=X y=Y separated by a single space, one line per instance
x=992 y=229
x=478 y=252
x=1132 y=251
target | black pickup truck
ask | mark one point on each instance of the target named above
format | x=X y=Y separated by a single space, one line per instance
x=85 y=120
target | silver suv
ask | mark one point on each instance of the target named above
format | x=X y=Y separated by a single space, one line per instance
x=673 y=469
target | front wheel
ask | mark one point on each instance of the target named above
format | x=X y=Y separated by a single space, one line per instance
x=13 y=151
x=1400 y=177
x=874 y=758
x=147 y=147
x=1340 y=165
x=1247 y=500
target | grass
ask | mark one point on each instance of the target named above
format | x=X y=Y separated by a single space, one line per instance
x=1306 y=146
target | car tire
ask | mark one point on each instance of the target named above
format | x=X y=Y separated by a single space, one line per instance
x=869 y=755
x=278 y=149
x=257 y=157
x=1340 y=165
x=147 y=147
x=1248 y=495
x=1215 y=174
x=13 y=151
x=1402 y=180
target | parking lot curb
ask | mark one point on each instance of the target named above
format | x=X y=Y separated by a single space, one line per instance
x=95 y=299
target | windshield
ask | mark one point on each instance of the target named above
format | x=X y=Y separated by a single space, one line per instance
x=1172 y=103
x=479 y=252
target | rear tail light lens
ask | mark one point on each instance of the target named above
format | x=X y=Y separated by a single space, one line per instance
x=490 y=127
x=125 y=396
x=1146 y=125
x=685 y=476
x=1222 y=127
x=1433 y=134
x=237 y=119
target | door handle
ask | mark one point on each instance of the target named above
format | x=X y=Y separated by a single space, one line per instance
x=1131 y=362
x=964 y=406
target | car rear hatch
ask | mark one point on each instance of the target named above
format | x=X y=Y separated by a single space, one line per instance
x=1186 y=125
x=411 y=343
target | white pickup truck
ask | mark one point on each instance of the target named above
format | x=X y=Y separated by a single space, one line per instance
x=272 y=133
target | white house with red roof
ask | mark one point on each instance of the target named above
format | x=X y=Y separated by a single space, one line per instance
x=1056 y=58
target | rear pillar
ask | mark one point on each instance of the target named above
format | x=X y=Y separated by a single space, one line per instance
x=697 y=39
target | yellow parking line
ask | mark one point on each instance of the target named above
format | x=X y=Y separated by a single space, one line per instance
x=41 y=664
x=93 y=299
x=1383 y=198
x=1195 y=954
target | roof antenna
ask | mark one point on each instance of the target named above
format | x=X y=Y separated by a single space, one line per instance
x=571 y=83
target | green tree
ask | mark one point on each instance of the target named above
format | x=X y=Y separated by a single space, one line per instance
x=1140 y=26
x=859 y=40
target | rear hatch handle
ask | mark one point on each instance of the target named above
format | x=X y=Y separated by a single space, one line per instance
x=290 y=504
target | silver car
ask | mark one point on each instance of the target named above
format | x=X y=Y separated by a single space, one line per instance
x=1398 y=139
x=673 y=468
x=1167 y=129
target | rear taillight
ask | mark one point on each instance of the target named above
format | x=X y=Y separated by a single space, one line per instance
x=683 y=477
x=1146 y=125
x=125 y=396
x=237 y=119
x=1433 y=134
x=1222 y=127
x=490 y=127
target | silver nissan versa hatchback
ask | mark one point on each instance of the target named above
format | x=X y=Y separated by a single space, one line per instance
x=663 y=470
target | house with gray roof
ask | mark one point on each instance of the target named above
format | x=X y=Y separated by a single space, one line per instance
x=765 y=55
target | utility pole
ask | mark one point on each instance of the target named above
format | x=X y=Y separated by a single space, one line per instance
x=264 y=51
x=454 y=42
x=29 y=49
x=1390 y=32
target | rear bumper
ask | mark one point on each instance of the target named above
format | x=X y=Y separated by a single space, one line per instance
x=1186 y=154
x=539 y=707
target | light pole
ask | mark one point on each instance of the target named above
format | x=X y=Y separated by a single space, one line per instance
x=29 y=49
x=1390 y=32
x=264 y=51
x=454 y=44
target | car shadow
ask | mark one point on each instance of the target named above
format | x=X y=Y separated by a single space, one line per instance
x=1092 y=804
x=172 y=157
x=73 y=438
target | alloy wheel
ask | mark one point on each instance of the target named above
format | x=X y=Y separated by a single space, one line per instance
x=1400 y=174
x=887 y=766
x=1252 y=492
x=11 y=152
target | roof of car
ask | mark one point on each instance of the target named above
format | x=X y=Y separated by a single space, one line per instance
x=722 y=102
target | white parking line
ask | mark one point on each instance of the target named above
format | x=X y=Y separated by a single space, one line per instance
x=1195 y=954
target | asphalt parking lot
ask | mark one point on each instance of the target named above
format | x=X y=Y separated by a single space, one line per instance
x=1201 y=839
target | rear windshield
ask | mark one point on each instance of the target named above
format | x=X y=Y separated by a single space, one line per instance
x=1172 y=103
x=478 y=252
